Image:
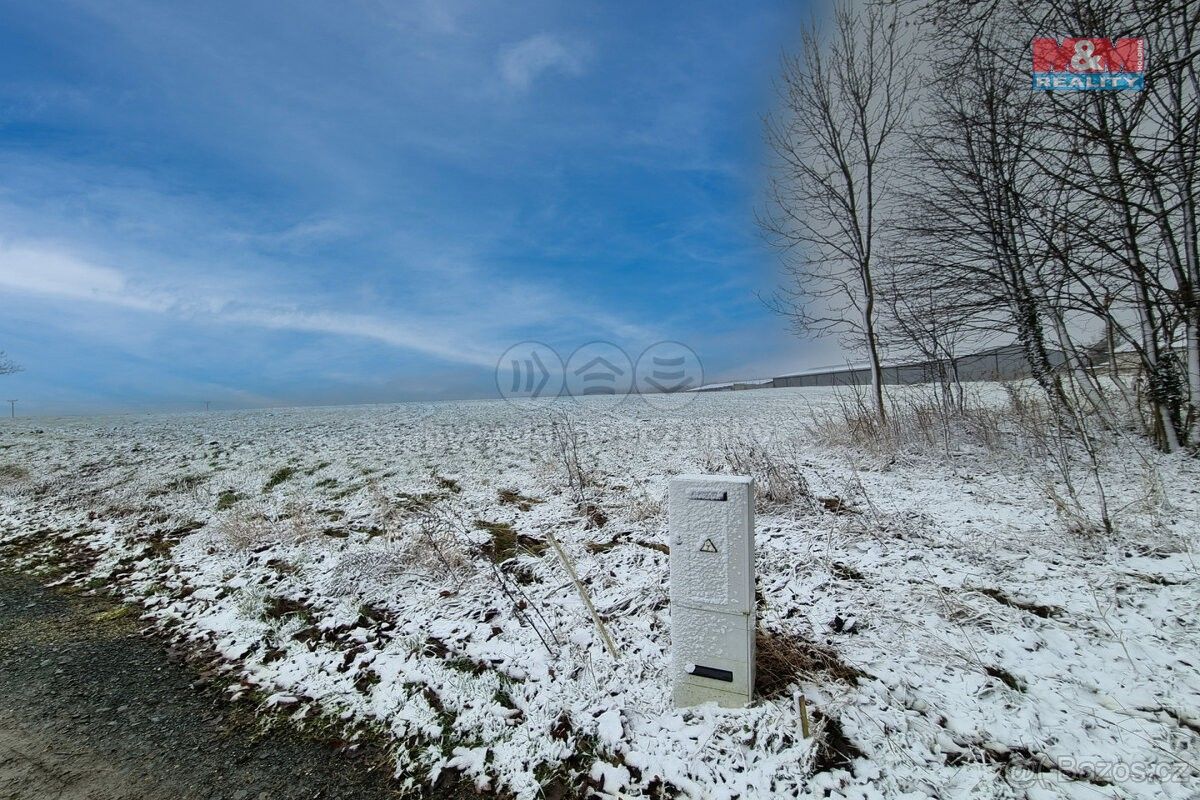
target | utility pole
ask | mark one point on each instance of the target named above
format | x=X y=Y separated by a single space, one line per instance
x=12 y=405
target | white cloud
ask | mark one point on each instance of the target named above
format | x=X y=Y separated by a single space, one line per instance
x=45 y=271
x=476 y=320
x=521 y=63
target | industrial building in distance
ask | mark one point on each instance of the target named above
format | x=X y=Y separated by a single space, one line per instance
x=1003 y=363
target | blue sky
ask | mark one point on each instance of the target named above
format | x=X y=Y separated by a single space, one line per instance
x=288 y=203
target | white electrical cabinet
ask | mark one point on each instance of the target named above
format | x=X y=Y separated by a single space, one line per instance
x=712 y=589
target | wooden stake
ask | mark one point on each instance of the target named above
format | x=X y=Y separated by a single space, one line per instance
x=804 y=716
x=587 y=601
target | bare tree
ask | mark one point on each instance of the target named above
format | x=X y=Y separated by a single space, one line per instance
x=1142 y=166
x=1102 y=214
x=971 y=199
x=7 y=365
x=1067 y=221
x=846 y=98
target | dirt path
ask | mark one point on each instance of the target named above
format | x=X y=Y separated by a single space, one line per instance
x=90 y=708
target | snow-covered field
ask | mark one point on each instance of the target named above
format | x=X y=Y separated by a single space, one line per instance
x=389 y=566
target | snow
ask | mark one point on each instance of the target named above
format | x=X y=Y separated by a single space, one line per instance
x=608 y=727
x=998 y=654
x=708 y=387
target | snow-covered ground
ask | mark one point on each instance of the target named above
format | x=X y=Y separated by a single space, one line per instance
x=388 y=566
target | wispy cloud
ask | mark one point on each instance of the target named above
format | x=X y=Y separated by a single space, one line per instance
x=52 y=272
x=522 y=63
x=458 y=333
x=55 y=274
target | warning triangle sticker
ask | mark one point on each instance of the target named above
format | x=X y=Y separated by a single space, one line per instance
x=708 y=546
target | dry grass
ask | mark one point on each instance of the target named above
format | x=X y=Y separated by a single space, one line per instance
x=783 y=659
x=369 y=567
x=511 y=497
x=279 y=476
x=1071 y=454
x=13 y=472
x=645 y=507
x=14 y=479
x=251 y=529
x=246 y=531
x=778 y=480
x=507 y=542
x=915 y=423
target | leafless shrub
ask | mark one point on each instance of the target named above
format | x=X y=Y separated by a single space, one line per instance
x=1064 y=439
x=578 y=469
x=445 y=523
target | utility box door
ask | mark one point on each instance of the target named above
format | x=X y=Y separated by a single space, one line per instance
x=712 y=542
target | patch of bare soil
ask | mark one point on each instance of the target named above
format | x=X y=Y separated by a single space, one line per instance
x=90 y=709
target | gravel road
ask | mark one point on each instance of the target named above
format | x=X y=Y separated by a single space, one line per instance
x=92 y=709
